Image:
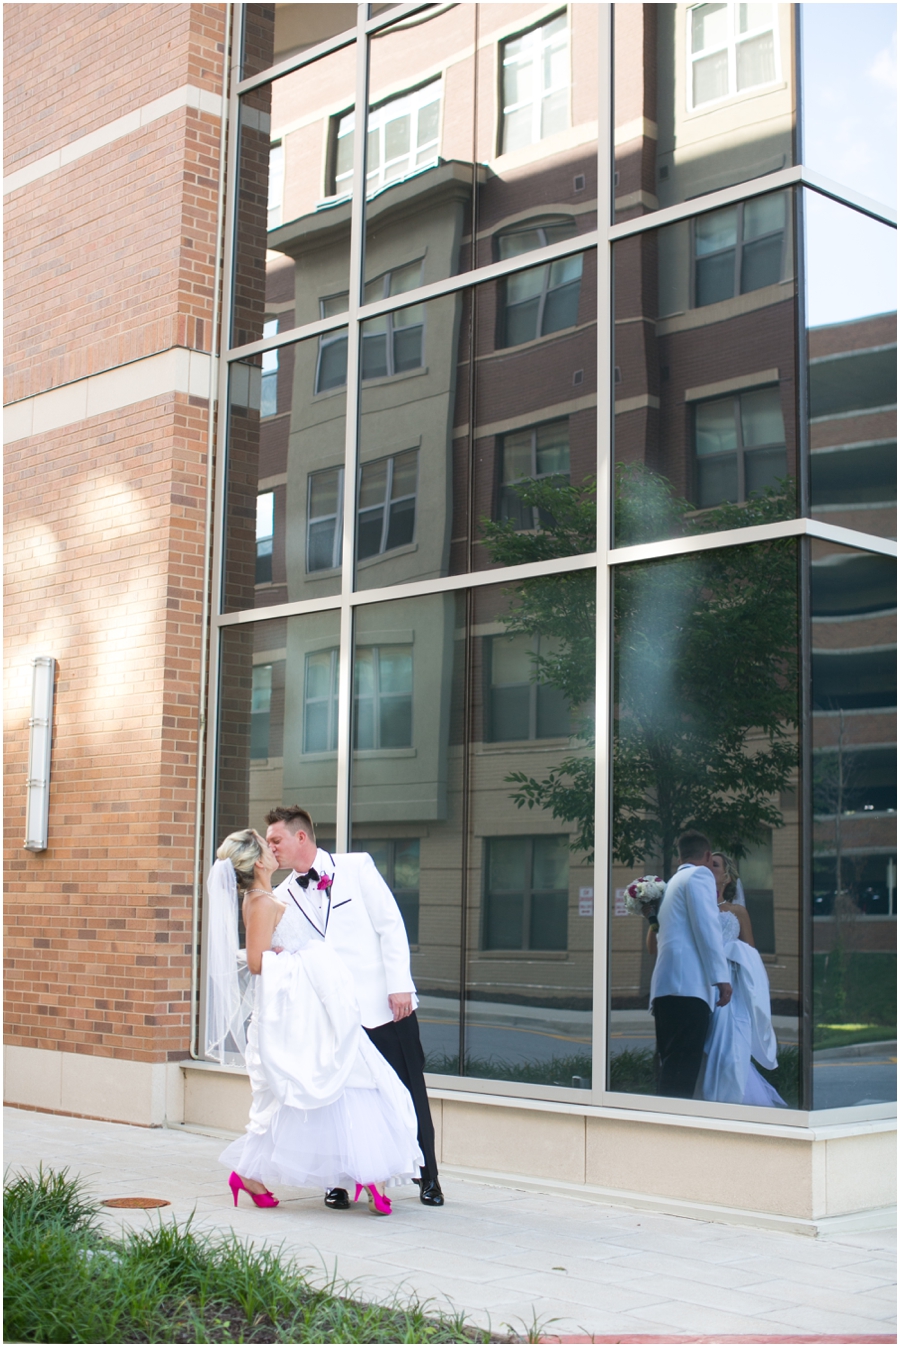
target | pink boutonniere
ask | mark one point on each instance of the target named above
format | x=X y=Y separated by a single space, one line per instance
x=324 y=883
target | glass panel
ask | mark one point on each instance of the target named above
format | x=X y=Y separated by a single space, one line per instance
x=854 y=698
x=852 y=346
x=277 y=720
x=704 y=98
x=705 y=387
x=538 y=152
x=407 y=788
x=421 y=167
x=285 y=474
x=530 y=869
x=703 y=743
x=285 y=128
x=522 y=486
x=849 y=54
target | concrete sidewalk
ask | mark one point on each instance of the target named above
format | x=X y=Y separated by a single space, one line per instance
x=503 y=1256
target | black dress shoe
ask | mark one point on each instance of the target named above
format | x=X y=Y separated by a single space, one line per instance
x=430 y=1194
x=338 y=1199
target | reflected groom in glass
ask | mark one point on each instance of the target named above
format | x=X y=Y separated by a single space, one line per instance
x=691 y=976
x=347 y=902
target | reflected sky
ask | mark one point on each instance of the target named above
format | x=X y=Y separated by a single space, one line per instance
x=850 y=95
x=851 y=261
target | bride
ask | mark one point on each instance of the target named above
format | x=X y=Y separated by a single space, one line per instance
x=327 y=1109
x=742 y=1029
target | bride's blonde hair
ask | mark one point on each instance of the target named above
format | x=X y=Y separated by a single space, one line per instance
x=729 y=892
x=243 y=849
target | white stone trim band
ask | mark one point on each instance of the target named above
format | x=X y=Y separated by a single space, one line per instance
x=174 y=371
x=188 y=96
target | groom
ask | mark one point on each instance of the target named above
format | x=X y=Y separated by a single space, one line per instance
x=690 y=963
x=358 y=917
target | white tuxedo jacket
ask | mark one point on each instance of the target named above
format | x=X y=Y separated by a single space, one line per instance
x=691 y=952
x=362 y=924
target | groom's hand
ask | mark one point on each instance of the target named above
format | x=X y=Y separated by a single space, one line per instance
x=400 y=1004
x=724 y=993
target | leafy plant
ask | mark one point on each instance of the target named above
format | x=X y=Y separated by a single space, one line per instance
x=706 y=692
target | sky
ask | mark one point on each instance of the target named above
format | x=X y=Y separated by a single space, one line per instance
x=850 y=135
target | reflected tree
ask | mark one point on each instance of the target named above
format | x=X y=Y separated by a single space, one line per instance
x=706 y=690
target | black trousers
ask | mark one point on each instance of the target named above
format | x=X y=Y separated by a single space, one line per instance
x=681 y=1025
x=400 y=1045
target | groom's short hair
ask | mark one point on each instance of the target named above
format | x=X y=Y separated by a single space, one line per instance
x=693 y=846
x=294 y=818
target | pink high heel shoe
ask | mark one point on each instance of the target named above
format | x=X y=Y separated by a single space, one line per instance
x=236 y=1183
x=378 y=1203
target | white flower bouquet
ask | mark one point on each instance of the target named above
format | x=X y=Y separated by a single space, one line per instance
x=643 y=896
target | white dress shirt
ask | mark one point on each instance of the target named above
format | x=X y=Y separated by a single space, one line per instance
x=691 y=953
x=363 y=924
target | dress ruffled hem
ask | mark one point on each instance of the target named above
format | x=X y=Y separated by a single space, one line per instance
x=354 y=1140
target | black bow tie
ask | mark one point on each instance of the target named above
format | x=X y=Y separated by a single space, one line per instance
x=303 y=880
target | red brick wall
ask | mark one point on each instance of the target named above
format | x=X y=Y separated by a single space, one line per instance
x=112 y=258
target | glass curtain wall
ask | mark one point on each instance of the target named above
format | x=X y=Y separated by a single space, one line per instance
x=432 y=328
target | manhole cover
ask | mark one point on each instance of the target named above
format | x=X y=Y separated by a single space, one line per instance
x=136 y=1202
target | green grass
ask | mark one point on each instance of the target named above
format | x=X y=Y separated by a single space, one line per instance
x=854 y=987
x=65 y=1282
x=552 y=1071
x=845 y=1035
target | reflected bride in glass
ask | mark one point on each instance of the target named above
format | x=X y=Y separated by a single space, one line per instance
x=327 y=1109
x=742 y=1029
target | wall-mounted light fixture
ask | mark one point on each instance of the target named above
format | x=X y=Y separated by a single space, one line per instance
x=37 y=809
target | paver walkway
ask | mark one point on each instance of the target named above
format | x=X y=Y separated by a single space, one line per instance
x=503 y=1256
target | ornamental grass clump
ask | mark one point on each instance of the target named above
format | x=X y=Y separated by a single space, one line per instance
x=66 y=1280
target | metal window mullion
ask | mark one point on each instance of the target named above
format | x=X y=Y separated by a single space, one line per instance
x=604 y=575
x=351 y=436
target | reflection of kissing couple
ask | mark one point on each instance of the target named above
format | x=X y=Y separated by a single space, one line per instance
x=709 y=993
x=332 y=1046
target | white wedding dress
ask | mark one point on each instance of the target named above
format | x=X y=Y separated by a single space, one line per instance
x=740 y=1030
x=328 y=1111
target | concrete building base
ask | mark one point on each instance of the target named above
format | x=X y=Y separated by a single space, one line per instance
x=801 y=1180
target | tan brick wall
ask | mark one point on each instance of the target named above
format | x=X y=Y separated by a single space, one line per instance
x=112 y=259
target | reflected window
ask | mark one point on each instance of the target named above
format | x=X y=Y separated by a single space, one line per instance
x=386 y=515
x=868 y=879
x=320 y=702
x=403 y=137
x=526 y=897
x=382 y=697
x=739 y=446
x=331 y=365
x=530 y=456
x=535 y=83
x=855 y=680
x=260 y=710
x=733 y=48
x=854 y=781
x=324 y=509
x=265 y=536
x=853 y=381
x=397 y=860
x=391 y=344
x=853 y=584
x=544 y=299
x=518 y=705
x=276 y=184
x=739 y=249
x=395 y=342
x=268 y=404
